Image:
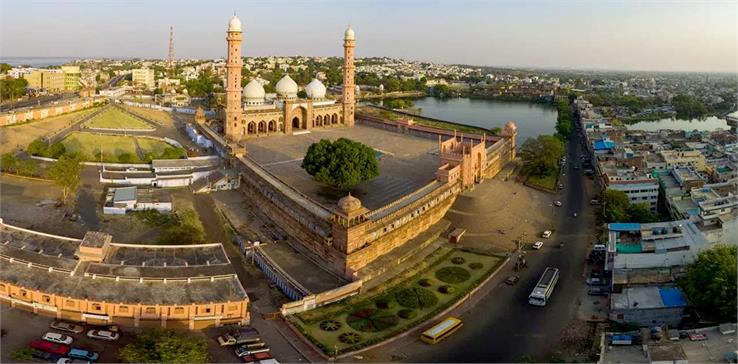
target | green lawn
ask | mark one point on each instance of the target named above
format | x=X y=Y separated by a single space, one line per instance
x=548 y=181
x=114 y=118
x=397 y=306
x=112 y=146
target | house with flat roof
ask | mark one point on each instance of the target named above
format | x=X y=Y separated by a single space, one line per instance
x=120 y=200
x=648 y=306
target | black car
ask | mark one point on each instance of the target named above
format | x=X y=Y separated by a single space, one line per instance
x=598 y=291
x=38 y=354
x=511 y=280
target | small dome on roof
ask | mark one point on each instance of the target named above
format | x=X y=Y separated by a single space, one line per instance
x=315 y=89
x=349 y=203
x=235 y=24
x=286 y=87
x=254 y=90
x=349 y=34
x=510 y=128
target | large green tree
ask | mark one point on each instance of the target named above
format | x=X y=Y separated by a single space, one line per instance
x=65 y=174
x=11 y=88
x=165 y=346
x=541 y=155
x=341 y=164
x=9 y=163
x=615 y=205
x=710 y=283
x=641 y=212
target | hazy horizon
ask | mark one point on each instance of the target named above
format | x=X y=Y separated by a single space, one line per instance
x=568 y=36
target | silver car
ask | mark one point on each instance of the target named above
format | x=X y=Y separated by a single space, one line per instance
x=66 y=327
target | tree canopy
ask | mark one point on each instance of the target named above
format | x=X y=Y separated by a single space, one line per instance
x=541 y=155
x=710 y=283
x=341 y=164
x=564 y=125
x=65 y=174
x=617 y=208
x=11 y=88
x=165 y=346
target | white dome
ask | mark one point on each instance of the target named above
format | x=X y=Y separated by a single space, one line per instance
x=234 y=25
x=315 y=89
x=286 y=87
x=254 y=90
x=349 y=34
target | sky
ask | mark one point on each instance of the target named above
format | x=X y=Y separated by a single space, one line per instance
x=699 y=36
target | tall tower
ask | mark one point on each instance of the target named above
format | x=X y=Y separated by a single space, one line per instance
x=233 y=79
x=170 y=58
x=349 y=96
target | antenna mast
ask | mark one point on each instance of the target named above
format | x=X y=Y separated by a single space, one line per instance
x=170 y=60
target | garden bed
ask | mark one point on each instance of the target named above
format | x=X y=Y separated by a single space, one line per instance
x=397 y=306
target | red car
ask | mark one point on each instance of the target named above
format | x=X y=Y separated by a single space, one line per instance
x=50 y=347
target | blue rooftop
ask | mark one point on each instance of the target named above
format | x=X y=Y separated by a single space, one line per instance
x=672 y=297
x=624 y=226
x=604 y=144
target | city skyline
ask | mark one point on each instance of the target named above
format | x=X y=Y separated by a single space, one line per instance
x=547 y=35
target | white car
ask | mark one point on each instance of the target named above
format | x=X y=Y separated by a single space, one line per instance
x=546 y=234
x=57 y=338
x=557 y=203
x=67 y=327
x=537 y=245
x=103 y=335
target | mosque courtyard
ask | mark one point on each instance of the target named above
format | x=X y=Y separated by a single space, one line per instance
x=406 y=163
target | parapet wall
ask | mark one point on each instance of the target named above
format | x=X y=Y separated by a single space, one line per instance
x=22 y=116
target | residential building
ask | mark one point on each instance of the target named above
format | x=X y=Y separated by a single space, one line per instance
x=648 y=306
x=688 y=158
x=120 y=200
x=641 y=187
x=144 y=77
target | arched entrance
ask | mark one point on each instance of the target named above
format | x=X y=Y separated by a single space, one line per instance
x=295 y=123
x=262 y=126
x=319 y=120
x=251 y=128
x=272 y=126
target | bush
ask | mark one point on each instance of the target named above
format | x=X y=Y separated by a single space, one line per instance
x=458 y=260
x=476 y=265
x=425 y=282
x=407 y=313
x=416 y=297
x=56 y=150
x=385 y=303
x=125 y=158
x=453 y=274
x=447 y=289
x=37 y=147
x=371 y=320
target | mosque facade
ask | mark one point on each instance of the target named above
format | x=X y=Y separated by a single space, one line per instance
x=251 y=112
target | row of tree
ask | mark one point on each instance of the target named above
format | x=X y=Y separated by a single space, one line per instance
x=564 y=120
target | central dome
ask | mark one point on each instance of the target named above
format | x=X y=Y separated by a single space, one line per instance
x=286 y=87
x=349 y=34
x=254 y=90
x=315 y=89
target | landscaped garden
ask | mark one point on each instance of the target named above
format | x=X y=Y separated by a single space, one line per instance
x=398 y=305
x=114 y=118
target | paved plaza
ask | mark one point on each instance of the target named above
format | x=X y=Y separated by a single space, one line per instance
x=406 y=162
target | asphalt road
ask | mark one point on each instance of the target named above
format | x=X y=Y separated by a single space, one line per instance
x=36 y=101
x=503 y=327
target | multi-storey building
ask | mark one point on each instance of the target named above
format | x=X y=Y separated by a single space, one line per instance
x=144 y=77
x=71 y=77
x=641 y=187
x=51 y=80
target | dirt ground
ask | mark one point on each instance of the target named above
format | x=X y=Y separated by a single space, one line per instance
x=19 y=136
x=497 y=213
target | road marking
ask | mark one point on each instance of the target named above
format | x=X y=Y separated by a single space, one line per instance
x=282 y=162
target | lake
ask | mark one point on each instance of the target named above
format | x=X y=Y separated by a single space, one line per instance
x=708 y=124
x=532 y=119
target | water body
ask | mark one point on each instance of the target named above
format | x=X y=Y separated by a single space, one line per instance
x=36 y=61
x=532 y=119
x=711 y=123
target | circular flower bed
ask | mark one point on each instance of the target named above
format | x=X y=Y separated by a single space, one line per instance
x=425 y=282
x=453 y=274
x=385 y=303
x=446 y=289
x=371 y=320
x=349 y=338
x=330 y=325
x=407 y=313
x=458 y=260
x=476 y=265
x=416 y=297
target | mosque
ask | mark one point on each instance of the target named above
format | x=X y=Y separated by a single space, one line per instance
x=250 y=112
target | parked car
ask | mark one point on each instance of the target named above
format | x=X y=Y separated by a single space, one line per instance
x=49 y=347
x=67 y=327
x=557 y=203
x=598 y=291
x=71 y=361
x=596 y=281
x=537 y=245
x=77 y=353
x=44 y=355
x=599 y=248
x=57 y=338
x=511 y=280
x=243 y=350
x=103 y=335
x=594 y=202
x=546 y=234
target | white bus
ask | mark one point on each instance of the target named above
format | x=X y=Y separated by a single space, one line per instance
x=544 y=287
